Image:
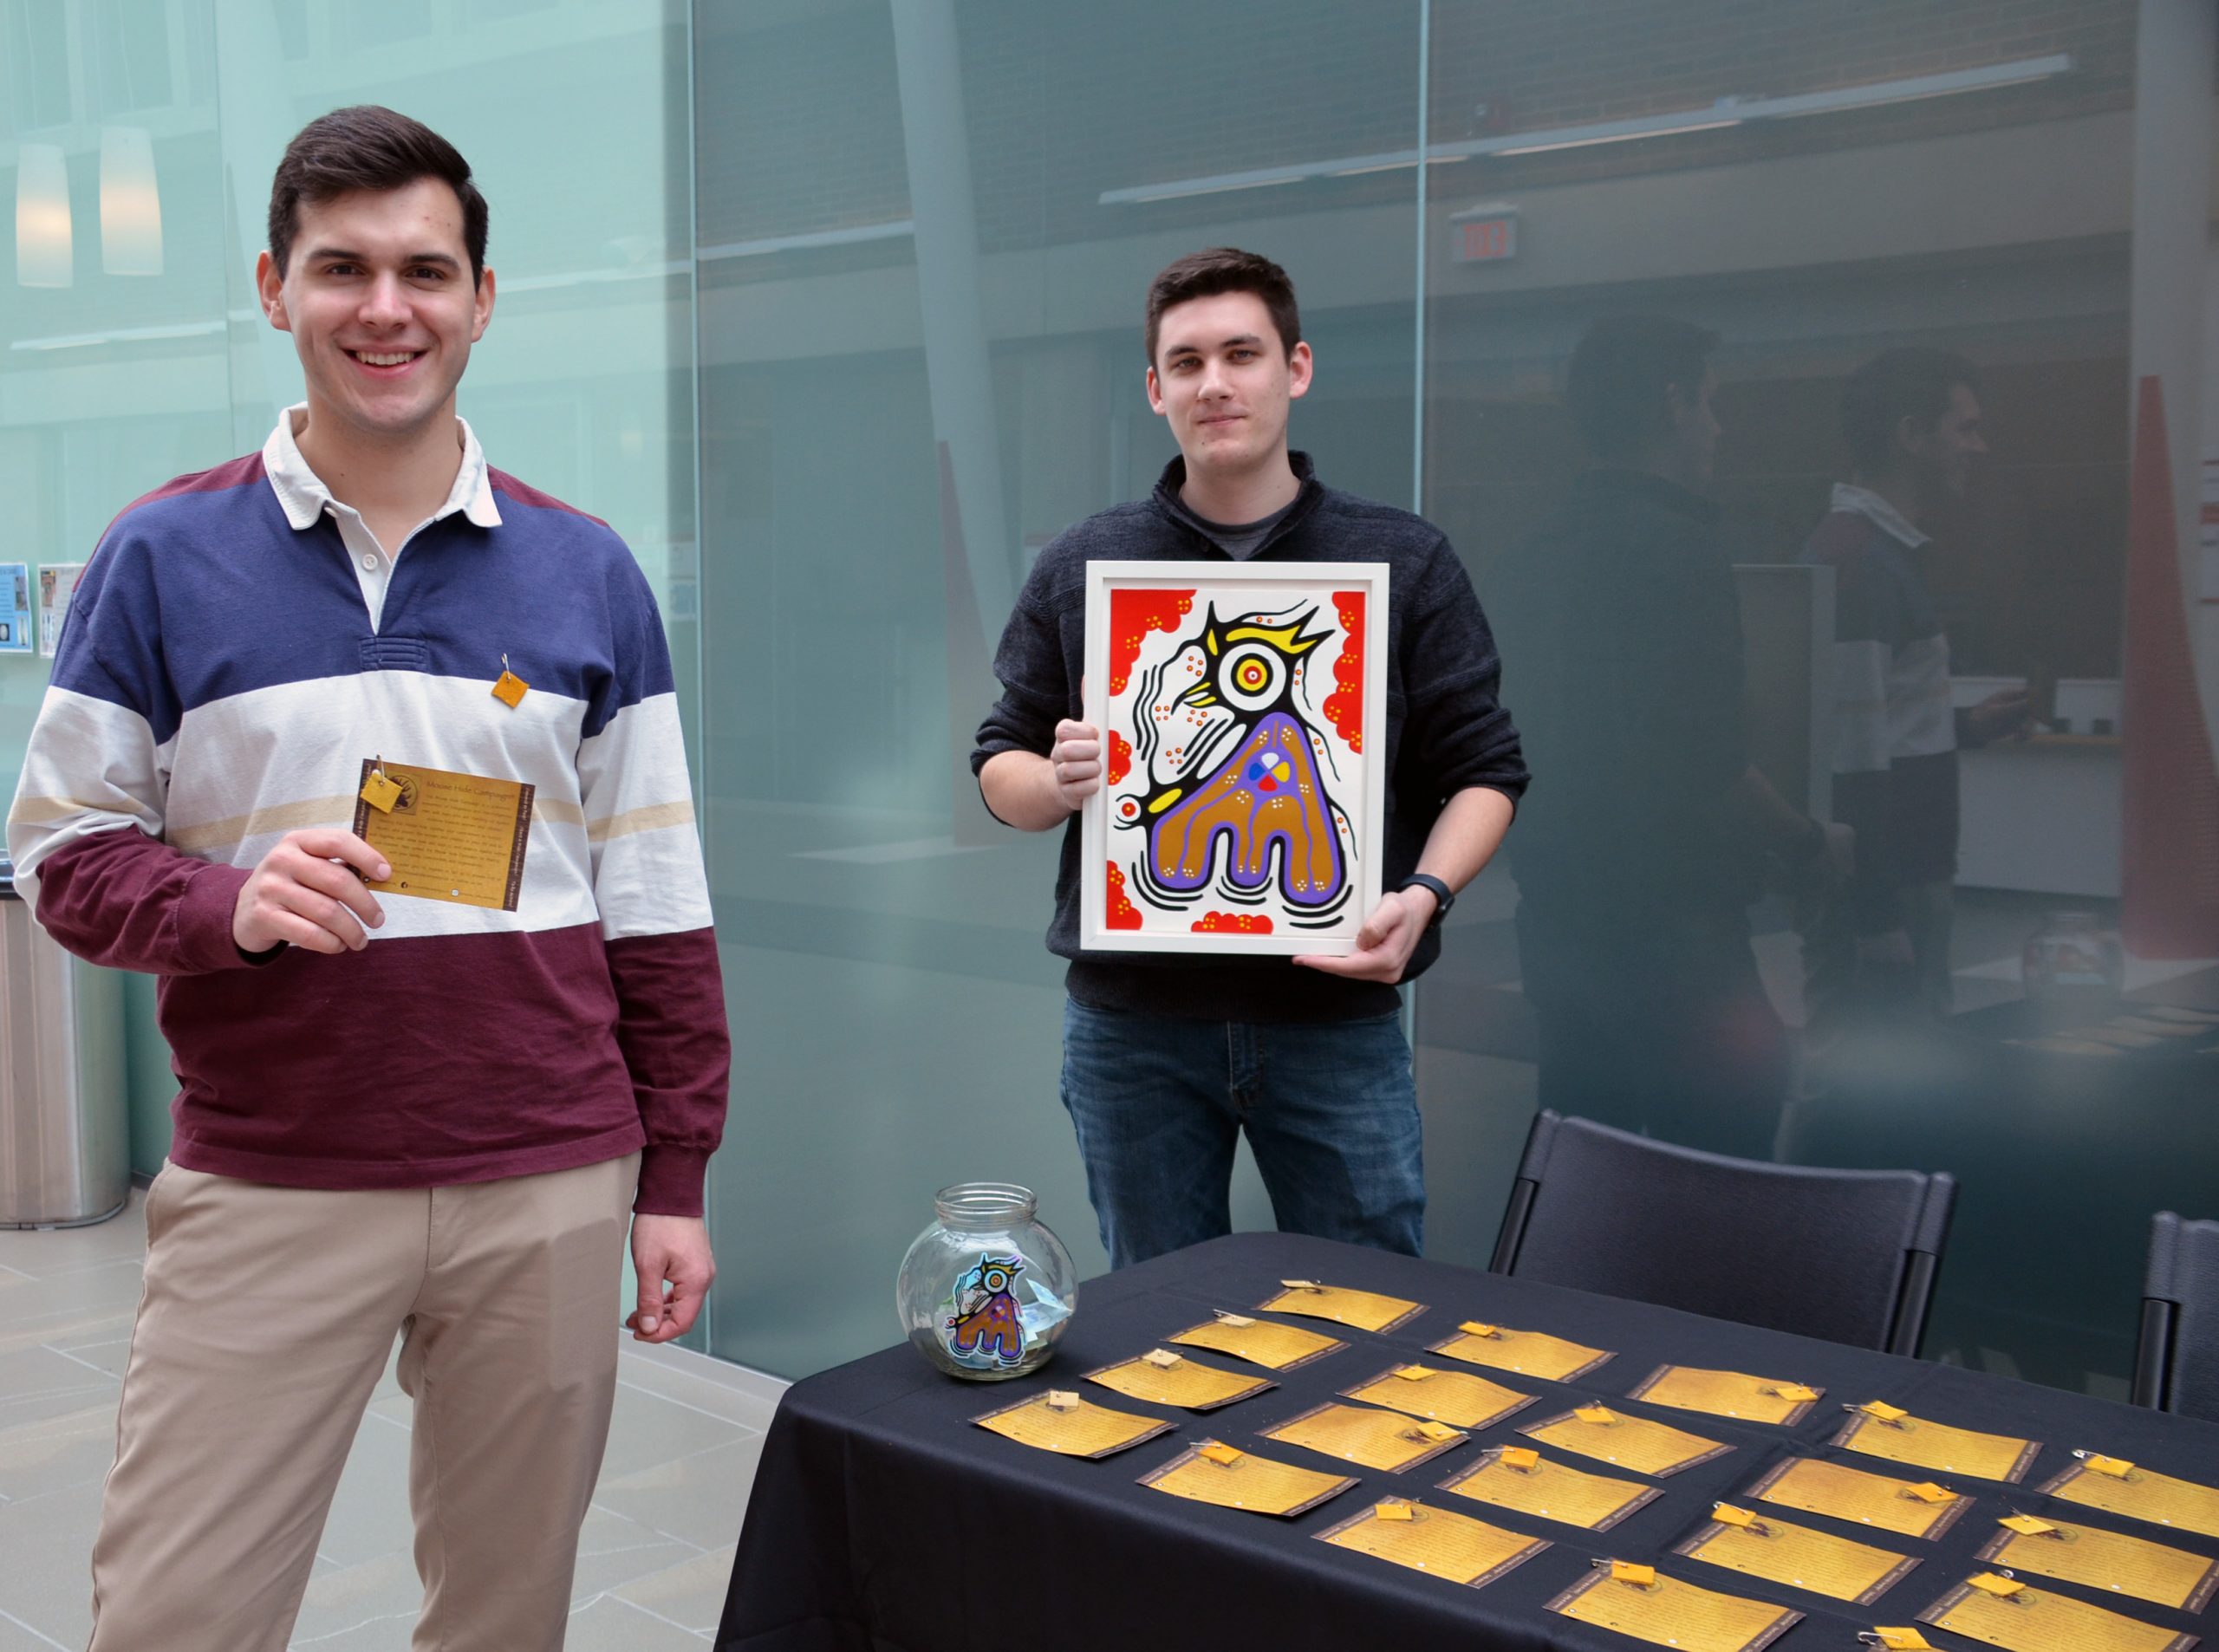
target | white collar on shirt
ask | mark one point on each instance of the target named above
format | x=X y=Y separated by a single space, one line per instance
x=302 y=493
x=1866 y=502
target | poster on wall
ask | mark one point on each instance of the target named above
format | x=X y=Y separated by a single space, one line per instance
x=57 y=583
x=1243 y=712
x=15 y=619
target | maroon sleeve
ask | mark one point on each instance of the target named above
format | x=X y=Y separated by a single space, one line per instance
x=126 y=900
x=670 y=1025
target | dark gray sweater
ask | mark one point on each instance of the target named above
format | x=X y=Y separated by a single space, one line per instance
x=1445 y=729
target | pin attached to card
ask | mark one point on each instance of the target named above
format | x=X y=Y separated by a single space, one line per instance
x=1626 y=1572
x=1880 y=1411
x=1162 y=1357
x=1237 y=1321
x=1393 y=1511
x=2117 y=1467
x=1522 y=1460
x=1474 y=1328
x=1062 y=1400
x=1726 y=1514
x=2027 y=1525
x=1897 y=1640
x=380 y=790
x=509 y=688
x=1927 y=1492
x=1224 y=1455
x=2002 y=1586
x=1601 y=1416
x=1415 y=1373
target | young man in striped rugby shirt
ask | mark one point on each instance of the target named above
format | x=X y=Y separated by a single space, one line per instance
x=400 y=1117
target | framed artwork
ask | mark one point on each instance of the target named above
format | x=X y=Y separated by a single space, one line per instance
x=1243 y=712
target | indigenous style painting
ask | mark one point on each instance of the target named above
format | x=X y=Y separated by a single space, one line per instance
x=1242 y=711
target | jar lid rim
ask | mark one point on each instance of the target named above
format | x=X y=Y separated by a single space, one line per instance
x=985 y=1200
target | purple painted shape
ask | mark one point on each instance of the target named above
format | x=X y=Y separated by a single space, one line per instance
x=1247 y=772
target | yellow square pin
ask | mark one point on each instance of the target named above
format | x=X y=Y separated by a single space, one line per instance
x=509 y=688
x=380 y=791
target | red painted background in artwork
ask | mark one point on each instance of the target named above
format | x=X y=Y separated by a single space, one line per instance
x=1133 y=615
x=1233 y=923
x=1345 y=706
x=1121 y=757
x=1123 y=914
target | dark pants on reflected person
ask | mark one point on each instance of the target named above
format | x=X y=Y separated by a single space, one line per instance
x=1330 y=1109
x=1660 y=1026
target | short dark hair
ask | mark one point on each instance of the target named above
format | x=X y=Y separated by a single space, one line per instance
x=1914 y=382
x=368 y=146
x=1621 y=369
x=1224 y=269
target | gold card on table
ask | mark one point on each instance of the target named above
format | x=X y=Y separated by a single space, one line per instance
x=1176 y=1380
x=1213 y=1472
x=1550 y=1490
x=1801 y=1557
x=1727 y=1393
x=1527 y=1353
x=1920 y=1444
x=457 y=837
x=1077 y=1428
x=1385 y=1440
x=1438 y=1541
x=1908 y=1508
x=1455 y=1397
x=2033 y=1620
x=2110 y=1561
x=1364 y=1309
x=2141 y=1495
x=1260 y=1342
x=1639 y=1443
x=1670 y=1613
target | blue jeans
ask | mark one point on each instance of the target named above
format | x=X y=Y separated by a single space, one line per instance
x=1331 y=1110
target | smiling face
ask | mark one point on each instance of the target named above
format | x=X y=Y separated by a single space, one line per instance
x=1224 y=379
x=379 y=300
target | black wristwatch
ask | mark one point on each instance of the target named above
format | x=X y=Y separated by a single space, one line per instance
x=1443 y=896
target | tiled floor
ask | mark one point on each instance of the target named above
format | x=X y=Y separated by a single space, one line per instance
x=652 y=1562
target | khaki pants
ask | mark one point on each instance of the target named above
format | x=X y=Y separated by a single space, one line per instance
x=268 y=1317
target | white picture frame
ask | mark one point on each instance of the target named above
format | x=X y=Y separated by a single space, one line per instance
x=1199 y=853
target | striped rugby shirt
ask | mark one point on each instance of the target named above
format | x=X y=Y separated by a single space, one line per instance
x=221 y=677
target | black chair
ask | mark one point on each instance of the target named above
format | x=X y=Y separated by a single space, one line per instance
x=2177 y=1362
x=1847 y=1255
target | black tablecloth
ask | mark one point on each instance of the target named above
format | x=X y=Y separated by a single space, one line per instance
x=881 y=1521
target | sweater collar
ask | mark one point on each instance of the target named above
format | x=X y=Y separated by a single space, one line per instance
x=1865 y=502
x=1309 y=491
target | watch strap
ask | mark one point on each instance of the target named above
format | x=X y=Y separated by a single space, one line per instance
x=1443 y=896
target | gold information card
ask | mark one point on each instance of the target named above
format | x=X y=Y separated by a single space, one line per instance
x=1639 y=1443
x=1667 y=1612
x=1455 y=1397
x=1519 y=1479
x=2033 y=1620
x=1233 y=1479
x=1912 y=1509
x=1526 y=1353
x=1385 y=1440
x=1260 y=1342
x=1801 y=1557
x=456 y=837
x=2110 y=1561
x=1364 y=1309
x=1071 y=1426
x=1727 y=1393
x=1165 y=1378
x=1881 y=1431
x=1439 y=1541
x=2119 y=1487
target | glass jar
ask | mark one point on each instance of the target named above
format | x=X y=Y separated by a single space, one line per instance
x=2074 y=964
x=986 y=1291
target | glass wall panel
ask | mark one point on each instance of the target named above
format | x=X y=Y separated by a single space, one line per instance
x=2032 y=197
x=137 y=141
x=927 y=233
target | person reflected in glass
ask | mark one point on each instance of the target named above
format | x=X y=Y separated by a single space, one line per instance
x=1169 y=1058
x=1638 y=862
x=1912 y=420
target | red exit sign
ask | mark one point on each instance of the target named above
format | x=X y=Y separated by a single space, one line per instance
x=1485 y=235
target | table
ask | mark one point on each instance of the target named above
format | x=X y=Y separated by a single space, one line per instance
x=881 y=1521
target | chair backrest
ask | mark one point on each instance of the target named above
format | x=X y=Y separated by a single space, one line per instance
x=1847 y=1255
x=2176 y=1365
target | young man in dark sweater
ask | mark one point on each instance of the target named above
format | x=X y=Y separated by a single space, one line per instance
x=1168 y=1057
